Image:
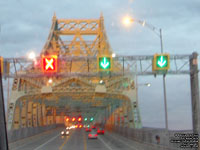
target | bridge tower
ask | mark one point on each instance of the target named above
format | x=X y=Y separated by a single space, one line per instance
x=35 y=101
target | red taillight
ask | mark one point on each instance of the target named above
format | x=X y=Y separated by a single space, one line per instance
x=102 y=131
x=90 y=134
x=80 y=126
x=95 y=135
x=90 y=130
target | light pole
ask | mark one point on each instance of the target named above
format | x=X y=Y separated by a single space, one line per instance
x=158 y=32
x=137 y=85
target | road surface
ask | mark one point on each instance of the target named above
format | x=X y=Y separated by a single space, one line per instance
x=77 y=140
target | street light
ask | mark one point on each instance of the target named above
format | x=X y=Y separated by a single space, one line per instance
x=31 y=56
x=158 y=31
x=113 y=55
x=144 y=84
x=50 y=81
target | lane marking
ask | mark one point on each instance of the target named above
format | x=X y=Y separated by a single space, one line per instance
x=123 y=142
x=105 y=143
x=46 y=142
x=29 y=140
x=68 y=137
x=61 y=147
x=85 y=141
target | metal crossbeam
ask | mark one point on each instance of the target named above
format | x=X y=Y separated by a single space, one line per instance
x=138 y=65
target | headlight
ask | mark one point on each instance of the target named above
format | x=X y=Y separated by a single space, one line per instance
x=62 y=132
x=67 y=132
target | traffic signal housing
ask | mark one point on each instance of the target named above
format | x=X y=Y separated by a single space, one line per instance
x=79 y=119
x=104 y=63
x=1 y=63
x=49 y=63
x=67 y=119
x=161 y=62
x=91 y=119
x=73 y=119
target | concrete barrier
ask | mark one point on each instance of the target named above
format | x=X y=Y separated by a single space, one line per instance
x=150 y=135
x=15 y=135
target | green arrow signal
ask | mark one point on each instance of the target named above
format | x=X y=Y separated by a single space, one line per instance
x=161 y=61
x=104 y=62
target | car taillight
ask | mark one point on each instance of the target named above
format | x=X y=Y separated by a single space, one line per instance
x=103 y=131
x=90 y=134
x=95 y=135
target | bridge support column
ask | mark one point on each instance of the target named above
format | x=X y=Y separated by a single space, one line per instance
x=50 y=117
x=121 y=114
x=44 y=113
x=126 y=115
x=24 y=114
x=16 y=123
x=35 y=115
x=30 y=114
x=54 y=115
x=117 y=119
x=134 y=120
x=40 y=119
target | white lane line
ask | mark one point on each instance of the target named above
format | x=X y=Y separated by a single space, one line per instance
x=46 y=142
x=123 y=142
x=105 y=143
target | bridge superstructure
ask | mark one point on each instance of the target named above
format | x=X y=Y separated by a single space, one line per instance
x=77 y=87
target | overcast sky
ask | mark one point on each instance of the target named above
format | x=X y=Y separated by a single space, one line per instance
x=25 y=25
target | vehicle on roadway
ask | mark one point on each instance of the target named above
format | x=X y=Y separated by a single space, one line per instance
x=88 y=129
x=92 y=135
x=65 y=132
x=94 y=127
x=100 y=131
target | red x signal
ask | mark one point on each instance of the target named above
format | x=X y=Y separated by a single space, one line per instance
x=49 y=63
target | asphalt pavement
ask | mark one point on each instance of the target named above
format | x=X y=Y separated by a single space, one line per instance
x=77 y=140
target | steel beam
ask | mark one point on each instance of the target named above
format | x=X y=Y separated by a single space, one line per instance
x=195 y=93
x=3 y=131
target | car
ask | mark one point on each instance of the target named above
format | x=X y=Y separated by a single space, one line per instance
x=65 y=132
x=94 y=127
x=92 y=135
x=88 y=129
x=100 y=131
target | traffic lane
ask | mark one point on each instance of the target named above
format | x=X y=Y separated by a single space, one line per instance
x=96 y=144
x=58 y=143
x=35 y=141
x=79 y=141
x=113 y=144
x=75 y=142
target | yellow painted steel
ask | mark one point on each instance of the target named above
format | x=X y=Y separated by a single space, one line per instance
x=30 y=114
x=1 y=63
x=35 y=115
x=24 y=114
x=83 y=37
x=16 y=124
x=44 y=115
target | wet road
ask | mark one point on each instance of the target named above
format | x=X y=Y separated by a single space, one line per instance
x=77 y=140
